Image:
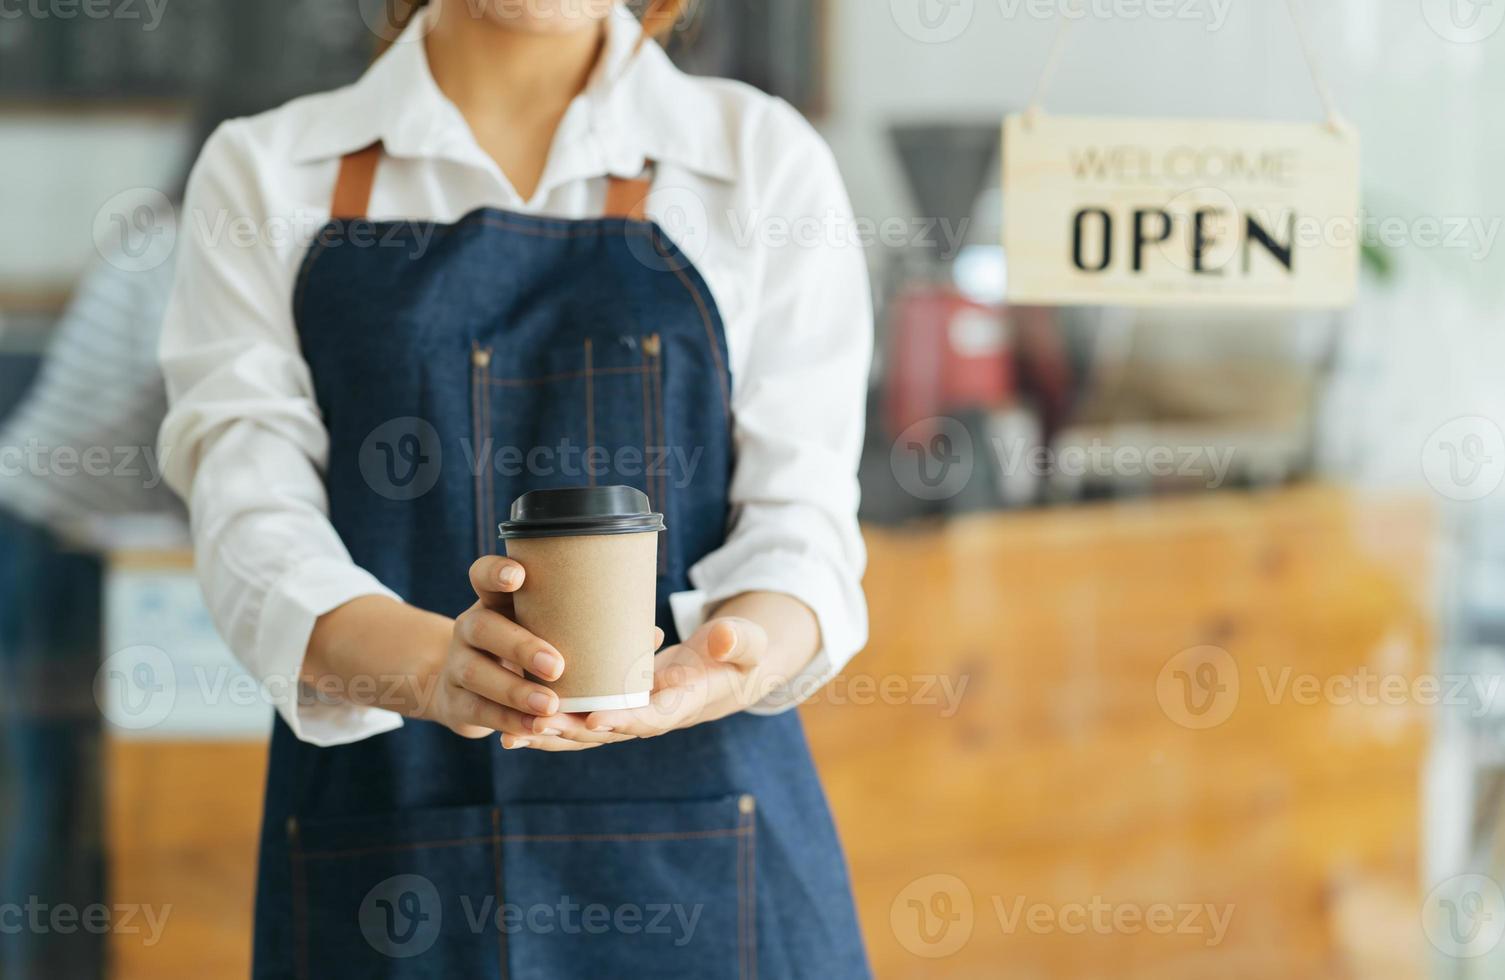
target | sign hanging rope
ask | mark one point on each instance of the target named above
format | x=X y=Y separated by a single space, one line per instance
x=1298 y=21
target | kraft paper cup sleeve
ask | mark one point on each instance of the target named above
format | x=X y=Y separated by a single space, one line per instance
x=593 y=597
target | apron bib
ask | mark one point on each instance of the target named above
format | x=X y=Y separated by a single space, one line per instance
x=457 y=366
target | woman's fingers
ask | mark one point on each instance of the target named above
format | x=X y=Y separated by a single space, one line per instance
x=731 y=640
x=488 y=630
x=471 y=715
x=478 y=715
x=479 y=674
x=681 y=690
x=596 y=727
x=546 y=743
x=470 y=731
x=574 y=727
x=667 y=710
x=496 y=573
x=494 y=578
x=707 y=677
x=533 y=707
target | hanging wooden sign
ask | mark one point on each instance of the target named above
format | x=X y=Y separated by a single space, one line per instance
x=1179 y=212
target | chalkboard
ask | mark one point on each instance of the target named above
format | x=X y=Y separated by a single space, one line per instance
x=258 y=53
x=263 y=51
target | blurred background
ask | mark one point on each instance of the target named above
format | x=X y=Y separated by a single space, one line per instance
x=1187 y=665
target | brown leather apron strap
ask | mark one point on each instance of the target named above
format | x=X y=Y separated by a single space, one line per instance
x=352 y=188
x=626 y=197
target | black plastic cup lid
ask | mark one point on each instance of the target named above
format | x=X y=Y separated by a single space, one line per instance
x=580 y=510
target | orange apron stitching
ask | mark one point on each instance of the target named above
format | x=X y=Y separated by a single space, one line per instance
x=590 y=414
x=535 y=838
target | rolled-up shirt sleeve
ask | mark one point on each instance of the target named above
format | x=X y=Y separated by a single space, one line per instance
x=799 y=406
x=244 y=444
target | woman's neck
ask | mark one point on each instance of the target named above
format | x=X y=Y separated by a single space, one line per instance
x=512 y=85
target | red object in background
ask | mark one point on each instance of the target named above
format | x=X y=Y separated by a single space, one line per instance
x=1044 y=367
x=946 y=353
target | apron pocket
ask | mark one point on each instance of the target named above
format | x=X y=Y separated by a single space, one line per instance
x=661 y=889
x=410 y=894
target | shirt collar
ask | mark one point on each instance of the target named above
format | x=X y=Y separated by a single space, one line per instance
x=637 y=107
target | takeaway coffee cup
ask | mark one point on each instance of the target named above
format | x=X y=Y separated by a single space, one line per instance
x=591 y=555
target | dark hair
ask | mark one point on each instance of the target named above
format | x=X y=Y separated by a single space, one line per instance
x=658 y=18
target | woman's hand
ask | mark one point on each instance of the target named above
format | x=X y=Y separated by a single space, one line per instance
x=467 y=674
x=718 y=671
x=754 y=643
x=481 y=686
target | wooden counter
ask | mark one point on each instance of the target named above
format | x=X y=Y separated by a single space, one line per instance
x=1068 y=775
x=1065 y=778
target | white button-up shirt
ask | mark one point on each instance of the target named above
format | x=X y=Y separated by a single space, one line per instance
x=742 y=183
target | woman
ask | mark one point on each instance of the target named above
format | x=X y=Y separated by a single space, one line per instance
x=550 y=255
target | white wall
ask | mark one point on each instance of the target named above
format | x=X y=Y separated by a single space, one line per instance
x=1424 y=105
x=58 y=170
x=1249 y=66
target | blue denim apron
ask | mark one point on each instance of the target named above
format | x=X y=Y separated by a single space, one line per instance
x=569 y=352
